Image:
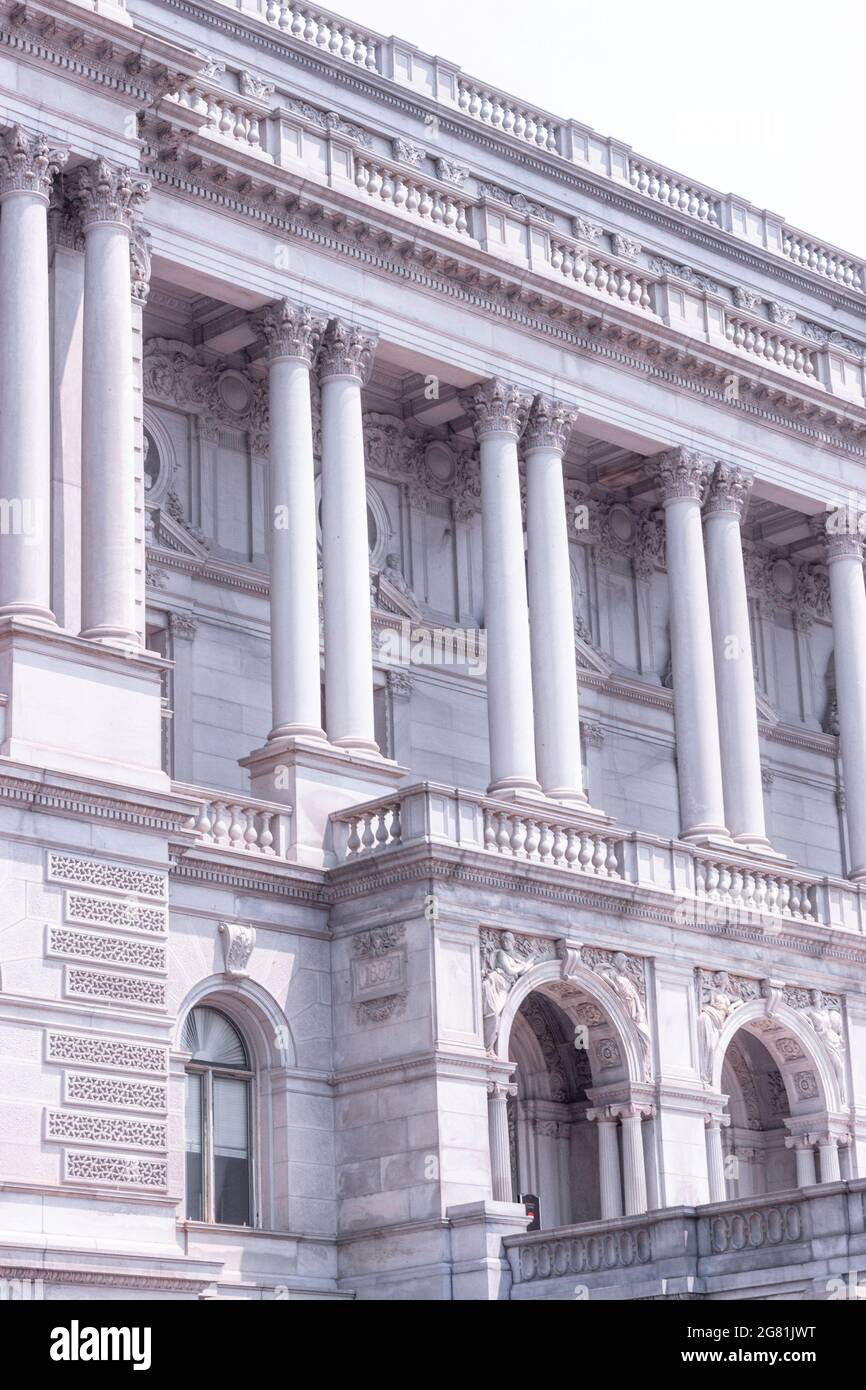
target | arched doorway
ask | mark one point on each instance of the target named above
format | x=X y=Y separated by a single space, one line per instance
x=574 y=1036
x=757 y=1158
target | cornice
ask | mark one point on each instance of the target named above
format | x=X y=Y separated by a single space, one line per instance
x=168 y=818
x=287 y=881
x=383 y=90
x=108 y=1278
x=563 y=314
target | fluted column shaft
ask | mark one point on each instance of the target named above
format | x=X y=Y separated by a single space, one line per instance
x=732 y=652
x=633 y=1163
x=110 y=200
x=804 y=1155
x=500 y=1146
x=27 y=168
x=715 y=1159
x=682 y=477
x=345 y=363
x=848 y=603
x=551 y=605
x=609 y=1180
x=293 y=337
x=499 y=411
x=828 y=1150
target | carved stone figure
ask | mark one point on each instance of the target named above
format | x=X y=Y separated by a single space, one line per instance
x=718 y=1004
x=827 y=1023
x=501 y=969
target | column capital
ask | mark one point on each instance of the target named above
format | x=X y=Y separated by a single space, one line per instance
x=28 y=163
x=728 y=490
x=107 y=193
x=713 y=1120
x=681 y=473
x=290 y=330
x=603 y=1114
x=496 y=407
x=501 y=1090
x=549 y=425
x=841 y=532
x=346 y=350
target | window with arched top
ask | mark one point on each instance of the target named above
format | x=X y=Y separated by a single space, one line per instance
x=219 y=1166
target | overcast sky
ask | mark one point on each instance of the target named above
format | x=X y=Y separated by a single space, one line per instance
x=755 y=97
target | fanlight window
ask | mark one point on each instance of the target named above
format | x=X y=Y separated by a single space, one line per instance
x=218 y=1098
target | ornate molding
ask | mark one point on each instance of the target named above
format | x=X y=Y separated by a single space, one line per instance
x=28 y=164
x=107 y=193
x=549 y=425
x=497 y=407
x=681 y=473
x=290 y=330
x=728 y=491
x=238 y=941
x=182 y=376
x=347 y=351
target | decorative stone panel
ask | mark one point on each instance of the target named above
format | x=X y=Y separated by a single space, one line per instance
x=113 y=1170
x=113 y=878
x=105 y=1052
x=113 y=950
x=109 y=988
x=119 y=1093
x=117 y=1132
x=108 y=912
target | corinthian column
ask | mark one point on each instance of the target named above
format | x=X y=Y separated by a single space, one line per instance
x=633 y=1163
x=345 y=362
x=732 y=650
x=551 y=606
x=293 y=337
x=498 y=412
x=848 y=604
x=110 y=201
x=682 y=477
x=27 y=167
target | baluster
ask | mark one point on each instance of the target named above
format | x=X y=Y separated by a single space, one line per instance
x=251 y=834
x=796 y=898
x=533 y=837
x=572 y=849
x=266 y=838
x=382 y=833
x=489 y=831
x=503 y=833
x=353 y=844
x=368 y=839
x=545 y=844
x=599 y=857
x=559 y=844
x=713 y=882
x=700 y=877
x=236 y=829
x=584 y=859
x=784 y=898
x=203 y=825
x=518 y=834
x=396 y=824
x=220 y=825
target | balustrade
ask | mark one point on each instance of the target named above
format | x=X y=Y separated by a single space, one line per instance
x=238 y=824
x=503 y=114
x=822 y=260
x=226 y=116
x=740 y=886
x=324 y=31
x=673 y=192
x=777 y=349
x=411 y=196
x=625 y=283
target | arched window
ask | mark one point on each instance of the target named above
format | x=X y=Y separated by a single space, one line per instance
x=218 y=1104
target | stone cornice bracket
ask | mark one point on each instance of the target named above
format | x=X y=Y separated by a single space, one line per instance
x=728 y=491
x=496 y=407
x=28 y=164
x=346 y=351
x=290 y=331
x=549 y=425
x=681 y=474
x=106 y=193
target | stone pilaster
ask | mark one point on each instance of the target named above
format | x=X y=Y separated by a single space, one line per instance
x=844 y=554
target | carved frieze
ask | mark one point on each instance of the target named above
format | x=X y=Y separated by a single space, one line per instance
x=379 y=973
x=182 y=376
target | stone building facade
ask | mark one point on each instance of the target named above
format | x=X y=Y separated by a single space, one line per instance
x=432 y=687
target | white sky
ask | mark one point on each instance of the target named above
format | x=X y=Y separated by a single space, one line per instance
x=764 y=98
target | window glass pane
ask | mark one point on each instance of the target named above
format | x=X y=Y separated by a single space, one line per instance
x=231 y=1151
x=210 y=1037
x=194 y=1171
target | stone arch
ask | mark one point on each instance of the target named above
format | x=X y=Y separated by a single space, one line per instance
x=808 y=1056
x=253 y=1010
x=579 y=987
x=154 y=427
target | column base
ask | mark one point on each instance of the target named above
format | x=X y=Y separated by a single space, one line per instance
x=285 y=732
x=316 y=779
x=29 y=613
x=358 y=745
x=714 y=836
x=81 y=708
x=516 y=789
x=118 y=636
x=758 y=844
x=573 y=799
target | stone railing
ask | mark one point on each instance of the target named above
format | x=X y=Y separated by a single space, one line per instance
x=739 y=884
x=238 y=824
x=426 y=812
x=804 y=1234
x=503 y=114
x=324 y=31
x=411 y=196
x=823 y=260
x=629 y=285
x=225 y=116
x=672 y=191
x=777 y=349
